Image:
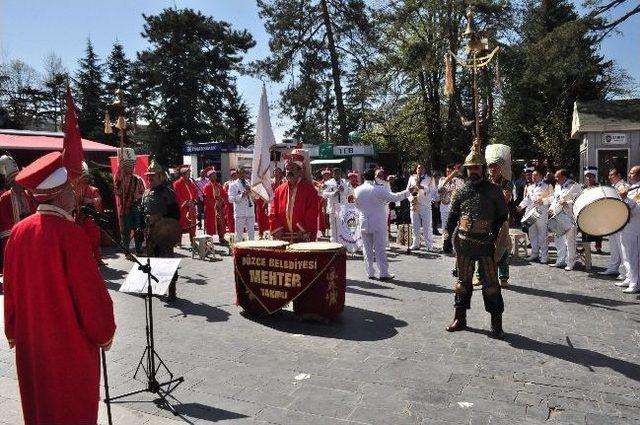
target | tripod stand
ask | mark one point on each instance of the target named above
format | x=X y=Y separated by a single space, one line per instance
x=150 y=362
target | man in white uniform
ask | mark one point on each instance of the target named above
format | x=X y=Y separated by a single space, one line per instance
x=565 y=192
x=243 y=206
x=615 y=242
x=534 y=198
x=336 y=192
x=446 y=191
x=422 y=194
x=370 y=200
x=631 y=233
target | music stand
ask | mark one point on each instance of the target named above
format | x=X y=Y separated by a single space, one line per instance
x=150 y=362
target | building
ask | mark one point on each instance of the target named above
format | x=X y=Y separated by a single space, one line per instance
x=27 y=145
x=609 y=134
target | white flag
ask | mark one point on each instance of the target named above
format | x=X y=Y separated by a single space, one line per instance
x=261 y=164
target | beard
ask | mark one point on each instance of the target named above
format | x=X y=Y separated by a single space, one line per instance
x=474 y=178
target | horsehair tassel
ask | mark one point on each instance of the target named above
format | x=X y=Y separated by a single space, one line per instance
x=448 y=75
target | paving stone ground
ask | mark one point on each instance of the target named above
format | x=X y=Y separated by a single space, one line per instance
x=570 y=356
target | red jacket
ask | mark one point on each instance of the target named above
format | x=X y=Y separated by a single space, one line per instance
x=298 y=212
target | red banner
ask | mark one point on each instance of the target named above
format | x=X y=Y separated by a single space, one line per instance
x=268 y=279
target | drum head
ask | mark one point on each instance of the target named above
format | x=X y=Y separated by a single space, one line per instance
x=603 y=217
x=265 y=243
x=315 y=246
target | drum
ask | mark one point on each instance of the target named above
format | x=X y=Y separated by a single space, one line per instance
x=560 y=223
x=530 y=217
x=324 y=298
x=246 y=250
x=599 y=211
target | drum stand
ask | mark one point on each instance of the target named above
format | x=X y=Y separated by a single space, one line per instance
x=150 y=362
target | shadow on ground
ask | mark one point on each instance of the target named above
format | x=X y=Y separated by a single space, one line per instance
x=354 y=324
x=209 y=312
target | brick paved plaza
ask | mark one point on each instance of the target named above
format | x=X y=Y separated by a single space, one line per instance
x=570 y=356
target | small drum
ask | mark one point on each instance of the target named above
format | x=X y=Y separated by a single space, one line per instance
x=560 y=223
x=530 y=217
x=324 y=299
x=252 y=248
x=599 y=211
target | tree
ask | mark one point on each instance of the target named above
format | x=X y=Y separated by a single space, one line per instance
x=90 y=95
x=554 y=64
x=334 y=31
x=55 y=81
x=239 y=127
x=604 y=13
x=186 y=75
x=21 y=94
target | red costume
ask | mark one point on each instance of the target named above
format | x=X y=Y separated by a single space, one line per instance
x=295 y=209
x=57 y=311
x=186 y=191
x=215 y=200
x=262 y=215
x=89 y=195
x=228 y=208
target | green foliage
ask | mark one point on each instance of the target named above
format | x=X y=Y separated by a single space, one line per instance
x=187 y=76
x=90 y=95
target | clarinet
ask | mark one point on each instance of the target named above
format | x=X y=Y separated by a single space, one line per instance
x=244 y=185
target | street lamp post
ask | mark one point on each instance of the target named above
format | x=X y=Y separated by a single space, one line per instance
x=476 y=45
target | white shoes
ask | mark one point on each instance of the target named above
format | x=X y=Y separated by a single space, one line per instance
x=570 y=267
x=558 y=264
x=635 y=289
x=622 y=284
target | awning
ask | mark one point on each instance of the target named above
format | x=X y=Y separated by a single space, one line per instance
x=52 y=142
x=327 y=161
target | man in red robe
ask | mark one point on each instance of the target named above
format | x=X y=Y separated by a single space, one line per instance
x=15 y=204
x=228 y=208
x=89 y=196
x=293 y=214
x=323 y=218
x=215 y=200
x=187 y=198
x=57 y=311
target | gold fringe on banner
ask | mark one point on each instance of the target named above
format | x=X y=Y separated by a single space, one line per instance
x=448 y=75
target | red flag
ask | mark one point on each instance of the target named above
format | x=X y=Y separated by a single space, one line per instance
x=72 y=154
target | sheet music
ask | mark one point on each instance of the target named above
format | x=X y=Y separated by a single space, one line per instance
x=162 y=268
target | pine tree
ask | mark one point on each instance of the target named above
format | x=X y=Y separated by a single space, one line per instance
x=186 y=74
x=90 y=95
x=239 y=126
x=555 y=63
x=334 y=31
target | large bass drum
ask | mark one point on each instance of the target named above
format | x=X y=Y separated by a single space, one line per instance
x=599 y=211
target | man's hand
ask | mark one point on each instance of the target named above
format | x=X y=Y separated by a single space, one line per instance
x=340 y=189
x=107 y=347
x=12 y=343
x=538 y=201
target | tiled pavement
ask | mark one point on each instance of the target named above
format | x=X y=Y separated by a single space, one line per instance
x=570 y=356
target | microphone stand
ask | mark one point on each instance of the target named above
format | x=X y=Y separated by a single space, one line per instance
x=150 y=361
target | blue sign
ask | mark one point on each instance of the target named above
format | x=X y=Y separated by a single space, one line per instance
x=204 y=147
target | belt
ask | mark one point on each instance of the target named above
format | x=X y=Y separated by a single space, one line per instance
x=469 y=225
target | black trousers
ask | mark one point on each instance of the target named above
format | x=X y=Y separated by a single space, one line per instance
x=491 y=293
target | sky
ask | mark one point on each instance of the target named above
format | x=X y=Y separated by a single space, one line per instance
x=31 y=29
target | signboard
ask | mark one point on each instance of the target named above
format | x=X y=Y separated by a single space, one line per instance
x=365 y=150
x=614 y=139
x=213 y=147
x=326 y=151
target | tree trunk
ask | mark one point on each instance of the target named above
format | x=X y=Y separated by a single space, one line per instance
x=427 y=121
x=335 y=69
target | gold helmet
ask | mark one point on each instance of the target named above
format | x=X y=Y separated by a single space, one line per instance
x=154 y=168
x=475 y=156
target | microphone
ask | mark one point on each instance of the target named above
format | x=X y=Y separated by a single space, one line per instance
x=100 y=219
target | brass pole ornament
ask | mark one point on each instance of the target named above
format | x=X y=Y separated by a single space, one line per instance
x=476 y=45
